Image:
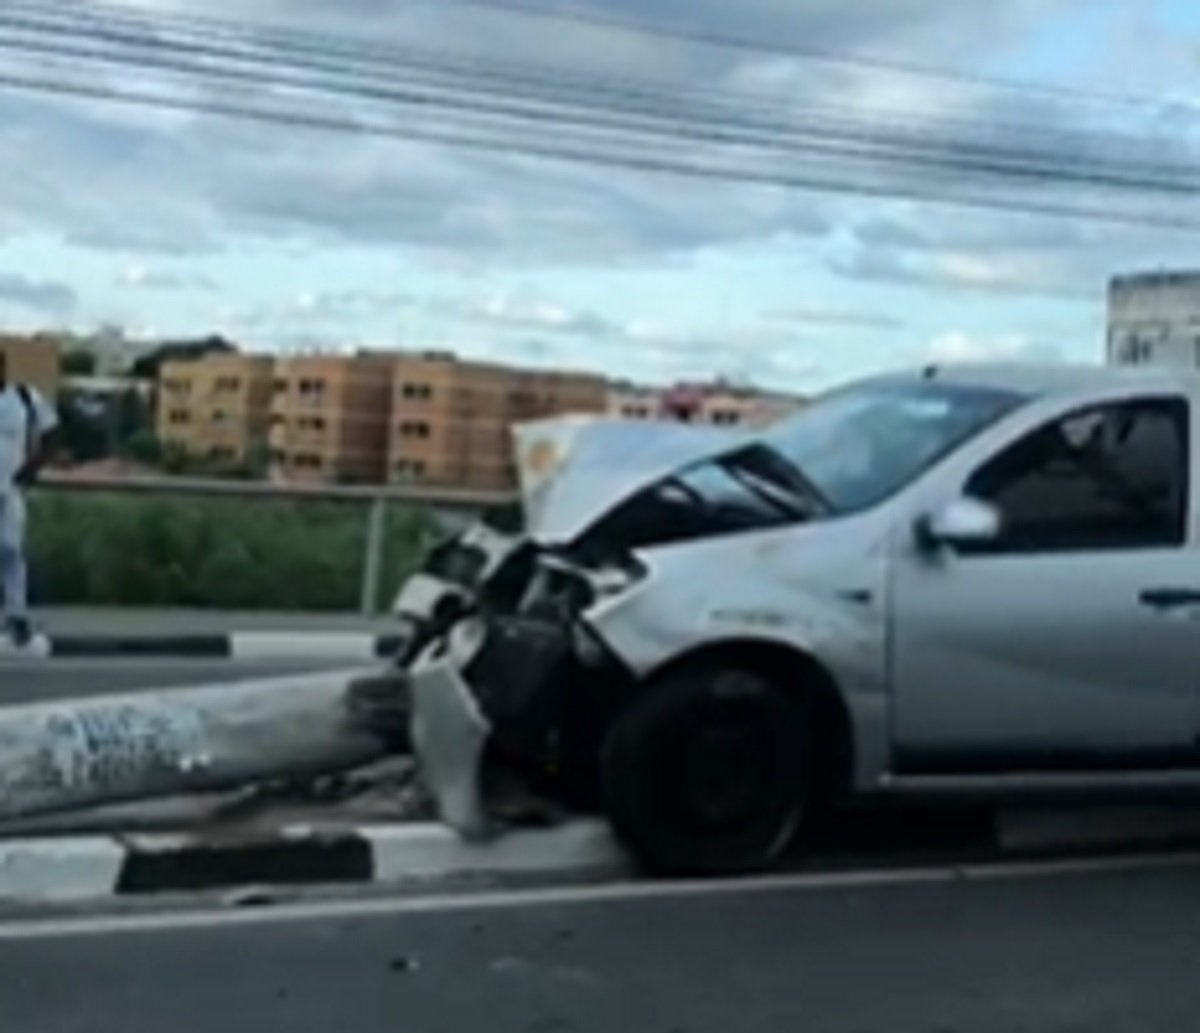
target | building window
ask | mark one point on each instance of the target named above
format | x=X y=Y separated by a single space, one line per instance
x=221 y=452
x=725 y=417
x=1135 y=351
x=312 y=389
x=219 y=416
x=414 y=429
x=417 y=392
x=280 y=386
x=306 y=461
x=311 y=423
x=228 y=384
x=178 y=416
x=409 y=469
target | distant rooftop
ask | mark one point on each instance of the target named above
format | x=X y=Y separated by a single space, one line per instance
x=1156 y=278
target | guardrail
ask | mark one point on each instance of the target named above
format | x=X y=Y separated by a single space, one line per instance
x=446 y=501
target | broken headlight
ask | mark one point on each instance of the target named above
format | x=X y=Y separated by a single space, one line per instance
x=560 y=588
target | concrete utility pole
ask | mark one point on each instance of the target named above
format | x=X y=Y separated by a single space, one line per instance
x=81 y=753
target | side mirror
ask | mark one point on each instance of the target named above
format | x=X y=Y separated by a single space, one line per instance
x=960 y=522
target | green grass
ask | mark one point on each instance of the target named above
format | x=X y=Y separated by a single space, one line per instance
x=118 y=550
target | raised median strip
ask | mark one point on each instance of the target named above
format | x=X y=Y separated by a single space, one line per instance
x=94 y=867
x=351 y=646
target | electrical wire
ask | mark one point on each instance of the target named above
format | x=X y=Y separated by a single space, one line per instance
x=1012 y=167
x=452 y=72
x=592 y=155
x=671 y=31
x=591 y=148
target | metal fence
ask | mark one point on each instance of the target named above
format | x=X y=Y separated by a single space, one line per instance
x=450 y=506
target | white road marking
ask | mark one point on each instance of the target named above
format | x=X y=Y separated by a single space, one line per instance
x=352 y=646
x=312 y=911
x=90 y=665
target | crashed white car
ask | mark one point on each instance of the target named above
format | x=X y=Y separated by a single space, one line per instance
x=972 y=581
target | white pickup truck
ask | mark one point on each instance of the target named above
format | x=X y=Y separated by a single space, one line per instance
x=972 y=581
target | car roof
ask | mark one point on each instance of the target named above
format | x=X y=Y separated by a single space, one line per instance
x=1048 y=379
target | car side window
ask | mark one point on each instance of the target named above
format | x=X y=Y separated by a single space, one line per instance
x=1107 y=477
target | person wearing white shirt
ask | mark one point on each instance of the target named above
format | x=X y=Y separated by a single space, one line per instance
x=26 y=421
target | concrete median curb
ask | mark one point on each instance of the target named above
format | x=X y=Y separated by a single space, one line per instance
x=238 y=645
x=88 y=868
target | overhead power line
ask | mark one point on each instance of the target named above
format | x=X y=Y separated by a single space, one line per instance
x=778 y=137
x=200 y=35
x=586 y=124
x=796 y=48
x=640 y=162
x=1089 y=166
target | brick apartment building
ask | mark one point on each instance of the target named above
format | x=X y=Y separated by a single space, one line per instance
x=33 y=359
x=426 y=418
x=329 y=418
x=451 y=419
x=715 y=403
x=216 y=408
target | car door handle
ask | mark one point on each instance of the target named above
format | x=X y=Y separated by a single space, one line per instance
x=1169 y=598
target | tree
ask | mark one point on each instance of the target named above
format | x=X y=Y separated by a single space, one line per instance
x=134 y=414
x=82 y=432
x=143 y=446
x=79 y=362
x=146 y=367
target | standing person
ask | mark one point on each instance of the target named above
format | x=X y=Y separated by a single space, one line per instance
x=26 y=420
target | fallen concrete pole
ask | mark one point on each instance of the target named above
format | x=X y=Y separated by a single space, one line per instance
x=87 y=752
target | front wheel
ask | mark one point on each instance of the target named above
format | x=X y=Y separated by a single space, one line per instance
x=708 y=773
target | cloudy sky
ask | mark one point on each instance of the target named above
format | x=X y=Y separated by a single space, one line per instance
x=177 y=223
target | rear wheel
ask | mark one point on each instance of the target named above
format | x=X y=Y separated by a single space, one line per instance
x=708 y=773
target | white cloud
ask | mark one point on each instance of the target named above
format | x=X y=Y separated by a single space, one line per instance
x=834 y=317
x=51 y=297
x=957 y=346
x=153 y=192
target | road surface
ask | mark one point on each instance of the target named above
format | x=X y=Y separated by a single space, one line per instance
x=1099 y=950
x=22 y=682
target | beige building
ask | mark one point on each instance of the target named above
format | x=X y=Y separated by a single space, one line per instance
x=33 y=359
x=329 y=418
x=451 y=419
x=716 y=403
x=628 y=401
x=426 y=418
x=217 y=407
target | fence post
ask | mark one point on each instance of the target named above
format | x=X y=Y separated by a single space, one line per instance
x=373 y=555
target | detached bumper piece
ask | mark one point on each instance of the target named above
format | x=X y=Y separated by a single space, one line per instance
x=522 y=675
x=507 y=721
x=449 y=731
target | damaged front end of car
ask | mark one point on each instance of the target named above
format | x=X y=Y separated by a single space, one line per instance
x=512 y=699
x=510 y=705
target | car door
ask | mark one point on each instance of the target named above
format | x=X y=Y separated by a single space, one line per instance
x=1071 y=638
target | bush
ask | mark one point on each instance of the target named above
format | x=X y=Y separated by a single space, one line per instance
x=113 y=550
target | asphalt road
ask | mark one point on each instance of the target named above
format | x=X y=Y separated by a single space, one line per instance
x=1107 y=951
x=23 y=682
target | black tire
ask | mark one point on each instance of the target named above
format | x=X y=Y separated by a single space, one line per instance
x=708 y=773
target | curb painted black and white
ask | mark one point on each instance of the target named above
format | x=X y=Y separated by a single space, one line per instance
x=350 y=646
x=95 y=867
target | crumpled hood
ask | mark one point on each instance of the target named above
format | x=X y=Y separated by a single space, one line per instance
x=573 y=470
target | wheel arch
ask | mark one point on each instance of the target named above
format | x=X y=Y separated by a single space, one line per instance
x=799 y=673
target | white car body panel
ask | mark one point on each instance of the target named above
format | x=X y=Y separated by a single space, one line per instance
x=929 y=650
x=574 y=469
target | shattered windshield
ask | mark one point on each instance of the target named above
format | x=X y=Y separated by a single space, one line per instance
x=861 y=445
x=752 y=482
